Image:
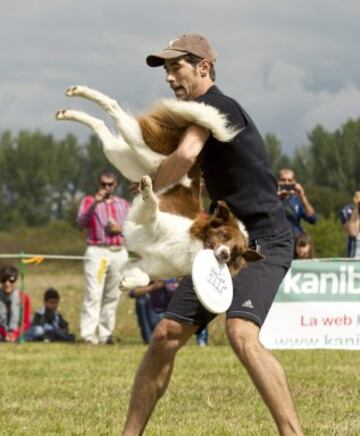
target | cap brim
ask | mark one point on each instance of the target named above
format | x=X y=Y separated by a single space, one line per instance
x=157 y=60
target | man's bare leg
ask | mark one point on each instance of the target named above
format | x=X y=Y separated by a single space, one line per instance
x=154 y=372
x=266 y=373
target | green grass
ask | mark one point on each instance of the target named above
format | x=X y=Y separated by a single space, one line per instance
x=74 y=389
x=49 y=389
x=59 y=237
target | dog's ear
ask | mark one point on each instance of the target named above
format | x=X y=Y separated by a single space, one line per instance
x=252 y=256
x=200 y=227
x=222 y=211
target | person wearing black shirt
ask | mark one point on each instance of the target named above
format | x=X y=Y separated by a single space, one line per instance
x=48 y=324
x=238 y=173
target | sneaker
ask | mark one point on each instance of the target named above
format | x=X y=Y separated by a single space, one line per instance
x=107 y=341
x=202 y=344
x=89 y=341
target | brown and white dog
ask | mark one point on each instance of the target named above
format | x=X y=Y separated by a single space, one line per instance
x=166 y=229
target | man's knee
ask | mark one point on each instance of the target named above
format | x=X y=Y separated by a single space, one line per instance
x=169 y=336
x=243 y=336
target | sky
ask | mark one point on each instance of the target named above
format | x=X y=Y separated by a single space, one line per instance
x=291 y=64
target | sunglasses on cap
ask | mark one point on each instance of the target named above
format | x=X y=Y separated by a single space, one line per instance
x=8 y=279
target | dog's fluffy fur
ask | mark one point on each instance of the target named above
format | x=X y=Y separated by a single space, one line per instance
x=166 y=230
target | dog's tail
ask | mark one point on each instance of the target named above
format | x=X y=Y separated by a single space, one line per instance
x=183 y=113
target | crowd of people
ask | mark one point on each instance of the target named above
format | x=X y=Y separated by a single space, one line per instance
x=47 y=323
x=102 y=217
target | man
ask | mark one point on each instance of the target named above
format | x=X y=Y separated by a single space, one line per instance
x=102 y=215
x=350 y=219
x=296 y=204
x=238 y=173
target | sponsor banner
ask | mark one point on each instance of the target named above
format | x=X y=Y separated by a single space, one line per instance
x=317 y=306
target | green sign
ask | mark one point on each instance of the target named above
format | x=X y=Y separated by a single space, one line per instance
x=321 y=280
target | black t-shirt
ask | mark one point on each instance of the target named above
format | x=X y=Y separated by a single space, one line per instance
x=238 y=172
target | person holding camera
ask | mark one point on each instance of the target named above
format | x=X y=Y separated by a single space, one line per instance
x=296 y=204
x=350 y=219
x=102 y=216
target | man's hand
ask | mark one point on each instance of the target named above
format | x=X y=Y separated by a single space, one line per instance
x=352 y=225
x=299 y=191
x=113 y=228
x=101 y=195
x=282 y=193
x=356 y=199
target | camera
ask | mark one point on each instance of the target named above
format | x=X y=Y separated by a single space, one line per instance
x=289 y=188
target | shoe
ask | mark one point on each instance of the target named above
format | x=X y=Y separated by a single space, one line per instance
x=202 y=344
x=107 y=341
x=89 y=341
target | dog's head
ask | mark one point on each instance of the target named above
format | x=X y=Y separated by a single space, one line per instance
x=221 y=233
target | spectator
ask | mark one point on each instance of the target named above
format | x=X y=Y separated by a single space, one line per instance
x=304 y=246
x=48 y=324
x=151 y=305
x=295 y=202
x=14 y=306
x=102 y=215
x=350 y=219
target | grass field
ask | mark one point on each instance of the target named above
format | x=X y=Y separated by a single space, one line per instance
x=74 y=389
x=53 y=389
x=49 y=389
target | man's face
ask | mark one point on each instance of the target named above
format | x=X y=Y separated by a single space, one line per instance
x=287 y=178
x=108 y=183
x=52 y=304
x=183 y=78
x=8 y=284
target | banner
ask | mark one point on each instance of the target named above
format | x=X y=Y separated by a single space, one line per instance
x=317 y=306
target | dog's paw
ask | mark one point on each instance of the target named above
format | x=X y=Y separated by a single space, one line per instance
x=60 y=115
x=73 y=90
x=80 y=91
x=145 y=187
x=129 y=282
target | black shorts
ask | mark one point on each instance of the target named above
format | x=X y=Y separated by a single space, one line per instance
x=255 y=286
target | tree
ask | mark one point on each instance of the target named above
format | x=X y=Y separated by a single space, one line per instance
x=25 y=175
x=334 y=158
x=277 y=159
x=65 y=174
x=328 y=236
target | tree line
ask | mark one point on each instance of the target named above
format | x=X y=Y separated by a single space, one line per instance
x=328 y=166
x=43 y=178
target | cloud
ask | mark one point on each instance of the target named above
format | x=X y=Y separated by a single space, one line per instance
x=292 y=65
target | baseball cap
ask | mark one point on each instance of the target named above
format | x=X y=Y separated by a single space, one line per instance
x=190 y=43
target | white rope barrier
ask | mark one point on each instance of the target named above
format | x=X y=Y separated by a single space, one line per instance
x=73 y=257
x=45 y=256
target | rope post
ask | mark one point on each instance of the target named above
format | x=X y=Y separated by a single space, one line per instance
x=22 y=297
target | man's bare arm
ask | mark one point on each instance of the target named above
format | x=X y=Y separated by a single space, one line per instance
x=177 y=164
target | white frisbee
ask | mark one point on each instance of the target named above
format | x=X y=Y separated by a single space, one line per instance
x=212 y=282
